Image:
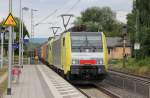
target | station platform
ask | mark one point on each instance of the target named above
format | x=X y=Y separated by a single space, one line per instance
x=38 y=81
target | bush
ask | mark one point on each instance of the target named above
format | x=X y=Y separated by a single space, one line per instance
x=135 y=66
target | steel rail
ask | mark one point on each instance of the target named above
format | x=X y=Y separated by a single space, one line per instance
x=141 y=76
x=83 y=92
x=106 y=91
x=100 y=89
x=131 y=76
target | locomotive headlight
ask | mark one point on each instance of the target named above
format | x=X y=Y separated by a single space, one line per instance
x=100 y=61
x=75 y=61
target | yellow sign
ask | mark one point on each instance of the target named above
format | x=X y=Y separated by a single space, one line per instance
x=10 y=21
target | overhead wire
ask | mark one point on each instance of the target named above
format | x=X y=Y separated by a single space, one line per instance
x=71 y=8
x=78 y=1
x=51 y=14
x=59 y=11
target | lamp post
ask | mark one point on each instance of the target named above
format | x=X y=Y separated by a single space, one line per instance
x=22 y=26
x=32 y=29
x=32 y=22
x=20 y=9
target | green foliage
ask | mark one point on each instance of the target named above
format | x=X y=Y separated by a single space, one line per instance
x=16 y=28
x=144 y=8
x=131 y=26
x=3 y=87
x=144 y=27
x=143 y=5
x=100 y=19
x=134 y=66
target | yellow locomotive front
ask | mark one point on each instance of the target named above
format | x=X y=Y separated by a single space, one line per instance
x=88 y=54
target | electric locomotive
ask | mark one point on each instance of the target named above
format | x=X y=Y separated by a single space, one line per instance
x=79 y=55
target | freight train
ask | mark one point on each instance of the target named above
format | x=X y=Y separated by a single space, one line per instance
x=77 y=55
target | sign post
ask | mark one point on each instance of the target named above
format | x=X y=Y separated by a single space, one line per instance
x=124 y=33
x=136 y=48
x=10 y=22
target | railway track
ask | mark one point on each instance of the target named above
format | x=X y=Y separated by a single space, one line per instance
x=130 y=74
x=118 y=85
x=128 y=85
x=95 y=91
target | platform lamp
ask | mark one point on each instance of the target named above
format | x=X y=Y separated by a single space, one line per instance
x=22 y=30
x=124 y=34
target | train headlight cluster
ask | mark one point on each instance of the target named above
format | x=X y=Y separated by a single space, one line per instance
x=75 y=61
x=100 y=61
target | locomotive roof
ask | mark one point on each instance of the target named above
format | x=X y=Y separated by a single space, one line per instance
x=56 y=37
x=78 y=34
x=86 y=33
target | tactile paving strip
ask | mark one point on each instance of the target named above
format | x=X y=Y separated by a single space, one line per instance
x=59 y=87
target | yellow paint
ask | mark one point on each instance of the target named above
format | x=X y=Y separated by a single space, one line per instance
x=10 y=21
x=105 y=51
x=50 y=59
x=66 y=52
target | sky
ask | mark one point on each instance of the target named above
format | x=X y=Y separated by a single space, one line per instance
x=54 y=8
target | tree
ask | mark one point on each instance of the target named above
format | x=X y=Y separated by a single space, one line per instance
x=144 y=8
x=16 y=29
x=144 y=21
x=100 y=19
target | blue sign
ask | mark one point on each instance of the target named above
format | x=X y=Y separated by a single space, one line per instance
x=15 y=46
x=25 y=41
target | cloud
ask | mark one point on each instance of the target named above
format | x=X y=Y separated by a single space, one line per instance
x=122 y=16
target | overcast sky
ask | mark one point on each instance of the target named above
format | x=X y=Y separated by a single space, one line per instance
x=58 y=7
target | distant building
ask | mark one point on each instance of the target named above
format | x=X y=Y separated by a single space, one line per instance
x=115 y=48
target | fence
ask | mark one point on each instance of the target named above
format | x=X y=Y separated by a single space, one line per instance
x=130 y=83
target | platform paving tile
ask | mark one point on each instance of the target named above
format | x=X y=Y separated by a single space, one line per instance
x=29 y=85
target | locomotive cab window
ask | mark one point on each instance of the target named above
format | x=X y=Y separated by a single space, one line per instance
x=49 y=47
x=86 y=42
x=63 y=41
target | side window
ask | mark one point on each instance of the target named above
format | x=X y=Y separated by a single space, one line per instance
x=50 y=47
x=63 y=41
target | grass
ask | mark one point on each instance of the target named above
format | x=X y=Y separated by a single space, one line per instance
x=3 y=87
x=138 y=67
x=3 y=70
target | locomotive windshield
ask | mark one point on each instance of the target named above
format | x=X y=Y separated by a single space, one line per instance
x=86 y=42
